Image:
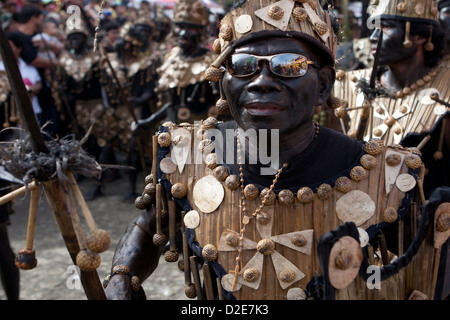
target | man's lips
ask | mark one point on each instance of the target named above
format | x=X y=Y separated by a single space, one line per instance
x=263 y=109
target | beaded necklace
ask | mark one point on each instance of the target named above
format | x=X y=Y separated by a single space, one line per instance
x=418 y=84
x=258 y=215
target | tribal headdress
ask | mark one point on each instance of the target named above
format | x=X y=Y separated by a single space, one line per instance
x=190 y=11
x=410 y=11
x=253 y=19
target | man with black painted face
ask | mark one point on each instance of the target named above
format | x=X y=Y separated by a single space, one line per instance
x=181 y=76
x=411 y=69
x=307 y=229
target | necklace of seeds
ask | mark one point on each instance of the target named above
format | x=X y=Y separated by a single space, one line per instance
x=246 y=219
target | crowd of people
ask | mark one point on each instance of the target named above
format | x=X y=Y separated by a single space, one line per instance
x=72 y=87
x=141 y=68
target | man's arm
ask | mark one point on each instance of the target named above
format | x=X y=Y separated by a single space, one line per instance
x=137 y=251
x=40 y=62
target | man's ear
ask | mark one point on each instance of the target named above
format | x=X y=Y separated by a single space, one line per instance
x=327 y=76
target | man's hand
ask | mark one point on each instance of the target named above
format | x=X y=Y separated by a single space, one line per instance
x=119 y=288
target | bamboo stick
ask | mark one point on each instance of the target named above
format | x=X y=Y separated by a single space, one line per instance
x=32 y=218
x=172 y=226
x=187 y=268
x=208 y=282
x=196 y=275
x=17 y=193
x=383 y=249
x=73 y=186
x=155 y=159
x=75 y=217
x=57 y=201
x=219 y=289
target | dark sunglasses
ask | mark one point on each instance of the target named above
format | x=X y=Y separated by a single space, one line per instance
x=288 y=65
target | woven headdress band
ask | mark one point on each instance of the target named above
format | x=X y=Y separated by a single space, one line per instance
x=251 y=19
x=409 y=10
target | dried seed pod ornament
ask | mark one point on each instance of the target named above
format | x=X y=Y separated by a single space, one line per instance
x=321 y=27
x=209 y=123
x=265 y=246
x=232 y=239
x=26 y=259
x=189 y=291
x=344 y=259
x=251 y=192
x=222 y=106
x=298 y=240
x=98 y=241
x=171 y=256
x=393 y=159
x=139 y=203
x=206 y=146
x=390 y=215
x=251 y=274
x=226 y=32
x=374 y=147
x=343 y=184
x=443 y=222
x=358 y=173
x=216 y=46
x=267 y=196
x=148 y=179
x=209 y=252
x=300 y=14
x=88 y=260
x=325 y=191
x=212 y=160
x=220 y=173
x=413 y=161
x=213 y=74
x=368 y=161
x=286 y=197
x=275 y=12
x=178 y=190
x=164 y=139
x=150 y=189
x=305 y=195
x=232 y=182
x=286 y=275
x=159 y=240
x=263 y=218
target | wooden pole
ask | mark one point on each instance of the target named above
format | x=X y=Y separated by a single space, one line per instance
x=57 y=200
x=208 y=282
x=81 y=202
x=196 y=275
x=32 y=218
x=17 y=193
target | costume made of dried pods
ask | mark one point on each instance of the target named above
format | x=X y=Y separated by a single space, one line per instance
x=414 y=116
x=77 y=91
x=182 y=83
x=326 y=228
x=412 y=110
x=9 y=115
x=135 y=77
x=406 y=119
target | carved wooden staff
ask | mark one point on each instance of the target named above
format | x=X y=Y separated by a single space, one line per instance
x=55 y=194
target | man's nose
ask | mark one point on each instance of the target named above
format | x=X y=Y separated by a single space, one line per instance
x=264 y=79
x=375 y=36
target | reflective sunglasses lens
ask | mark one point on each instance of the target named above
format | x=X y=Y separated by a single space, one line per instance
x=242 y=64
x=289 y=65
